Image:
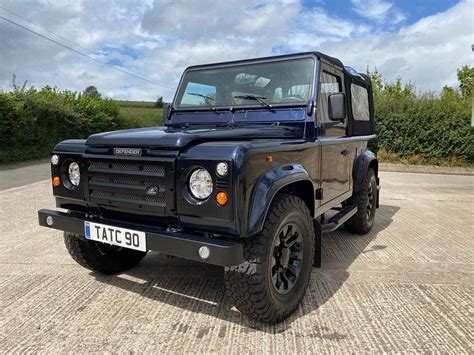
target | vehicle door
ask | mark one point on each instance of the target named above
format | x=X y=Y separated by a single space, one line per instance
x=336 y=153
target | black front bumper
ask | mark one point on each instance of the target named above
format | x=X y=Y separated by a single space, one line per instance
x=223 y=253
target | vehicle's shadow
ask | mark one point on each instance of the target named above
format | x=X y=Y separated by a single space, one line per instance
x=200 y=288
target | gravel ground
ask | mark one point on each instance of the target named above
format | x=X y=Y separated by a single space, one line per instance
x=405 y=286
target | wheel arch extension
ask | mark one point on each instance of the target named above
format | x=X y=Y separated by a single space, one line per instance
x=364 y=161
x=292 y=179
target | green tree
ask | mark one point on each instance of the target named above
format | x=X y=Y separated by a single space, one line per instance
x=92 y=91
x=18 y=89
x=466 y=81
x=159 y=102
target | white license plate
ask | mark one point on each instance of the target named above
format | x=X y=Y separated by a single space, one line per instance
x=120 y=237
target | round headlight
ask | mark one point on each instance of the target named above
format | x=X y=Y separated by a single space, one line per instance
x=200 y=184
x=74 y=173
x=54 y=159
x=222 y=169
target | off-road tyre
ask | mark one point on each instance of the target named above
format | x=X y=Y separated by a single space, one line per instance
x=365 y=200
x=99 y=257
x=250 y=285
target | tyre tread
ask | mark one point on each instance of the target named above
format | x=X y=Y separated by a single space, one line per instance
x=245 y=283
x=89 y=255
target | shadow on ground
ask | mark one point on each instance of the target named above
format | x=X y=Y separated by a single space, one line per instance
x=200 y=288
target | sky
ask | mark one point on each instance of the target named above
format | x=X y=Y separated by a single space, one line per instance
x=422 y=41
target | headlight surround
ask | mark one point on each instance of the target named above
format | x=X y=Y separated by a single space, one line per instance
x=74 y=174
x=200 y=184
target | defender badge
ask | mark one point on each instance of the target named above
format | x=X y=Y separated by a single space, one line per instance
x=128 y=151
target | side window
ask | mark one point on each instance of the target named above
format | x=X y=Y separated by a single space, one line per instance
x=197 y=94
x=360 y=103
x=329 y=84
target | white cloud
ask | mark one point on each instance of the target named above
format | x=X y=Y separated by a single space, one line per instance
x=426 y=53
x=158 y=39
x=378 y=10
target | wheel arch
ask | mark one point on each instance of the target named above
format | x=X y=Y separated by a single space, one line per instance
x=364 y=161
x=292 y=179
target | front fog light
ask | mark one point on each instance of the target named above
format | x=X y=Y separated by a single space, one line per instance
x=49 y=221
x=204 y=252
x=74 y=174
x=200 y=184
x=222 y=169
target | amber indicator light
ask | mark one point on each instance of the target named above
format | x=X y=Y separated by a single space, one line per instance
x=56 y=181
x=222 y=198
x=269 y=158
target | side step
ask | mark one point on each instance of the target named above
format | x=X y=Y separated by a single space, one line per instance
x=339 y=219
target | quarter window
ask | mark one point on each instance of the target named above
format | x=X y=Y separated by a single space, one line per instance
x=360 y=103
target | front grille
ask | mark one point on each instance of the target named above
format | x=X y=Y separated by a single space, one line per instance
x=132 y=186
x=132 y=197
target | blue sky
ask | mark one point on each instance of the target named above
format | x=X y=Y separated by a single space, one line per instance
x=423 y=42
x=414 y=10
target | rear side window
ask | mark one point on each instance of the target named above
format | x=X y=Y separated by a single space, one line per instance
x=329 y=84
x=360 y=103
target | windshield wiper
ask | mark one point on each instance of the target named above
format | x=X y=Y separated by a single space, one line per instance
x=206 y=98
x=259 y=99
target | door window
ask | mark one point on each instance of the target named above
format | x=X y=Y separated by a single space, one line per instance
x=329 y=84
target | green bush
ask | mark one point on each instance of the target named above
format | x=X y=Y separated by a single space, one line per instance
x=33 y=121
x=425 y=125
x=412 y=127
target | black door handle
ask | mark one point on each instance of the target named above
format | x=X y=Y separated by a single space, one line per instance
x=344 y=152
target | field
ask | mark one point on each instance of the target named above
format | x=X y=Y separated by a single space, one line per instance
x=141 y=113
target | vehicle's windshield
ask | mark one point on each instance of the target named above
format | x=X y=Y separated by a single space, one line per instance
x=268 y=84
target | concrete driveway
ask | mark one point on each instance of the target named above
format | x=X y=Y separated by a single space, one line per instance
x=20 y=174
x=405 y=286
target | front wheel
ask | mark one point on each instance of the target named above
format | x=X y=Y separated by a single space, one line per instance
x=272 y=281
x=104 y=258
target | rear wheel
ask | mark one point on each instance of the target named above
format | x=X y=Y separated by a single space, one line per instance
x=365 y=200
x=272 y=281
x=103 y=258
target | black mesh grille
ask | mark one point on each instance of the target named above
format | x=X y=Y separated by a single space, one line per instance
x=132 y=197
x=127 y=166
x=131 y=182
x=138 y=185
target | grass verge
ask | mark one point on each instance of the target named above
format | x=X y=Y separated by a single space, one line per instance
x=453 y=161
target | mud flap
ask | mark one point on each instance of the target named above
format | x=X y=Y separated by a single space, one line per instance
x=317 y=244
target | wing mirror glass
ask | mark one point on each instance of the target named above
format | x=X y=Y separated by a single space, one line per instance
x=337 y=107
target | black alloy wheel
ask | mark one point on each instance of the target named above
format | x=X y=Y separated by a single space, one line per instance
x=287 y=259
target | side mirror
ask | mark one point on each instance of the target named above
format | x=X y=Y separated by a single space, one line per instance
x=167 y=111
x=310 y=108
x=337 y=107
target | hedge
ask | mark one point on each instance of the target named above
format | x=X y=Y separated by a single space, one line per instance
x=33 y=121
x=427 y=125
x=424 y=125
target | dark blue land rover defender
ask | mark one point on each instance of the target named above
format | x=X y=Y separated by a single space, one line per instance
x=257 y=158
